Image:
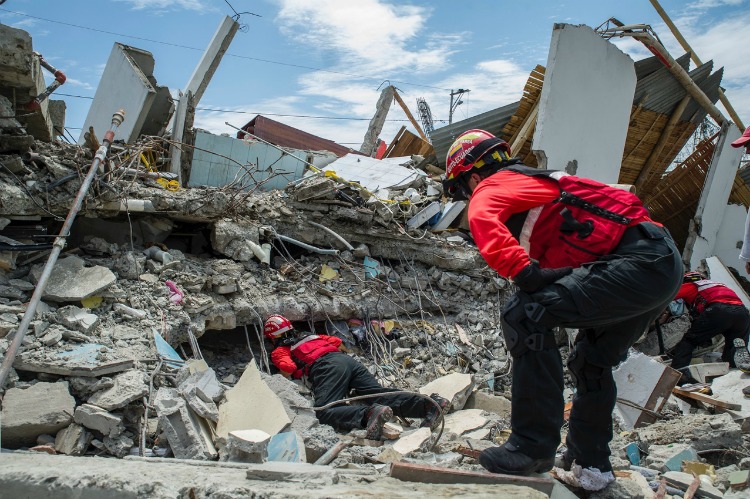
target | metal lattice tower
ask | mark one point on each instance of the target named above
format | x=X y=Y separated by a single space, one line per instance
x=425 y=115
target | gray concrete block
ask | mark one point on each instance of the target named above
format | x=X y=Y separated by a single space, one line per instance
x=186 y=437
x=246 y=446
x=128 y=386
x=41 y=408
x=71 y=280
x=96 y=418
x=73 y=440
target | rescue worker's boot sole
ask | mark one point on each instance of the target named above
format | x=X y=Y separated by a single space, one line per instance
x=377 y=416
x=507 y=460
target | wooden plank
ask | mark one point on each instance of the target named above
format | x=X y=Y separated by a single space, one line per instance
x=684 y=394
x=423 y=473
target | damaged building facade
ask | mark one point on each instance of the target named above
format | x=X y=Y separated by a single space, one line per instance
x=146 y=342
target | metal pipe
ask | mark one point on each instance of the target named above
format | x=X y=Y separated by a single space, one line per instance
x=334 y=234
x=58 y=246
x=306 y=246
x=686 y=46
x=59 y=80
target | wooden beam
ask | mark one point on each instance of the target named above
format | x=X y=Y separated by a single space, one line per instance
x=408 y=115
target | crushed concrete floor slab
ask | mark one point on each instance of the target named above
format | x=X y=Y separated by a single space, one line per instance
x=31 y=474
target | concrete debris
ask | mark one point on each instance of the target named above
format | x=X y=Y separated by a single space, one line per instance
x=412 y=442
x=246 y=446
x=488 y=403
x=701 y=431
x=96 y=418
x=73 y=440
x=188 y=436
x=72 y=281
x=455 y=387
x=251 y=404
x=128 y=386
x=38 y=409
x=460 y=422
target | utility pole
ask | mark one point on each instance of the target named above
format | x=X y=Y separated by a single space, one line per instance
x=457 y=94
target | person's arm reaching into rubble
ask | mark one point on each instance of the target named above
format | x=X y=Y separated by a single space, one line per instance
x=745 y=252
x=492 y=203
x=282 y=359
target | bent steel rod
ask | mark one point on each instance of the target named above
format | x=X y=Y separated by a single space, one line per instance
x=57 y=247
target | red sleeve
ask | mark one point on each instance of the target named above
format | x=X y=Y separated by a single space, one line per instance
x=282 y=358
x=494 y=200
x=688 y=292
x=333 y=340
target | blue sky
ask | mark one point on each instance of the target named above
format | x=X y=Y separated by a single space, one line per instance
x=328 y=57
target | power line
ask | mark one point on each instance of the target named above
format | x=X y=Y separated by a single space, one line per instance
x=228 y=54
x=209 y=109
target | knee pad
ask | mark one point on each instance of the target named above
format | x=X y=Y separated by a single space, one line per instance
x=524 y=326
x=588 y=377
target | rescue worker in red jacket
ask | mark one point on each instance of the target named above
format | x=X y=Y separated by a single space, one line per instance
x=714 y=309
x=333 y=374
x=583 y=255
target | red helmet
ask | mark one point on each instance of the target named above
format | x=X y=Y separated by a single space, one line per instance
x=275 y=326
x=692 y=276
x=469 y=148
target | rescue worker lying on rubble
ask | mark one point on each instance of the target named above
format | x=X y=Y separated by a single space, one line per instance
x=583 y=255
x=714 y=310
x=334 y=374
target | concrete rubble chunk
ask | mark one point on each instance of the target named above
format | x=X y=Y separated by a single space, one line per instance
x=455 y=387
x=246 y=446
x=462 y=421
x=251 y=404
x=701 y=431
x=118 y=446
x=204 y=383
x=294 y=403
x=78 y=318
x=489 y=403
x=412 y=442
x=72 y=281
x=96 y=418
x=683 y=480
x=25 y=417
x=187 y=434
x=128 y=386
x=73 y=440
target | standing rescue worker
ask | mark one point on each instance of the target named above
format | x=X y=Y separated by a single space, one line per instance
x=714 y=309
x=583 y=255
x=333 y=374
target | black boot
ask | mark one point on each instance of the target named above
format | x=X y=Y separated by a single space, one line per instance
x=509 y=460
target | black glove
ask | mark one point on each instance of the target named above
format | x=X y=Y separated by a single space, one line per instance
x=532 y=277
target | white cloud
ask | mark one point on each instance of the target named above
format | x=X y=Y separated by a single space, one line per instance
x=710 y=4
x=160 y=5
x=78 y=83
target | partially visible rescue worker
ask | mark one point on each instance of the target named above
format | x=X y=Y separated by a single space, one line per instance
x=714 y=309
x=583 y=255
x=333 y=374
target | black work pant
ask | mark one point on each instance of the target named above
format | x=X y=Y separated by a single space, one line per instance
x=731 y=321
x=612 y=301
x=336 y=374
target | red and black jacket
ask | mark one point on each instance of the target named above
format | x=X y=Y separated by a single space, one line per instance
x=296 y=357
x=700 y=294
x=521 y=213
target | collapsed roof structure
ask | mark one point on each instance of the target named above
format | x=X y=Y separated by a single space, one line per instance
x=145 y=340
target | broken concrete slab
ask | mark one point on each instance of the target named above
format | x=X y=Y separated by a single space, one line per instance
x=187 y=434
x=251 y=404
x=128 y=386
x=83 y=360
x=25 y=417
x=96 y=418
x=296 y=405
x=72 y=281
x=646 y=383
x=705 y=372
x=455 y=387
x=246 y=446
x=77 y=318
x=489 y=403
x=410 y=472
x=412 y=442
x=683 y=480
x=729 y=389
x=460 y=422
x=73 y=440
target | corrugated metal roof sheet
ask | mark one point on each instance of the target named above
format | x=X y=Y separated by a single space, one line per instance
x=287 y=136
x=492 y=121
